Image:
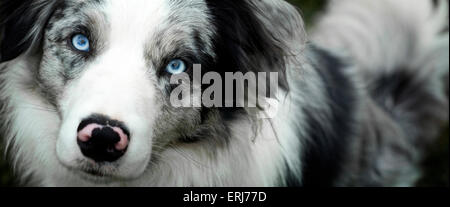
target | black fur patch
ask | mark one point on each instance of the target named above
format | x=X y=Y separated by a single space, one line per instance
x=242 y=42
x=392 y=86
x=17 y=19
x=406 y=97
x=324 y=154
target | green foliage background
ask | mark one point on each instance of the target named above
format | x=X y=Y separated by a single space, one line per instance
x=437 y=165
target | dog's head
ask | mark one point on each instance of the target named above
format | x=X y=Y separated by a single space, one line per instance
x=105 y=66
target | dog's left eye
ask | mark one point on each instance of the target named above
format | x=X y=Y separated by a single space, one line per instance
x=81 y=42
x=176 y=66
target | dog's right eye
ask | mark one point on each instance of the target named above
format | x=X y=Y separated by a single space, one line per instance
x=81 y=42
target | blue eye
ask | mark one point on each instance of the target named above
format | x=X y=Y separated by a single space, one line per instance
x=81 y=43
x=176 y=66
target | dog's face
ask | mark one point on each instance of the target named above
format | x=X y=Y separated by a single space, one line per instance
x=105 y=66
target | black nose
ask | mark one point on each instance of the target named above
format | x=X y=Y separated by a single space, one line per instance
x=102 y=139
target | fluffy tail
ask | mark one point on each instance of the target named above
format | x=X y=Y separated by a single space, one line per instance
x=401 y=48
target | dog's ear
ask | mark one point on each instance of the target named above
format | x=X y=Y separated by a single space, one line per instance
x=22 y=24
x=253 y=35
x=282 y=19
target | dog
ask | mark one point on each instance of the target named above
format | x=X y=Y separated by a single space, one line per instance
x=85 y=92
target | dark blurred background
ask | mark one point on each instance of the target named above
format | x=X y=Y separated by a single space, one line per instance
x=437 y=162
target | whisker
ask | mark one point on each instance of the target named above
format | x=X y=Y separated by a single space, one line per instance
x=177 y=149
x=40 y=109
x=185 y=155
